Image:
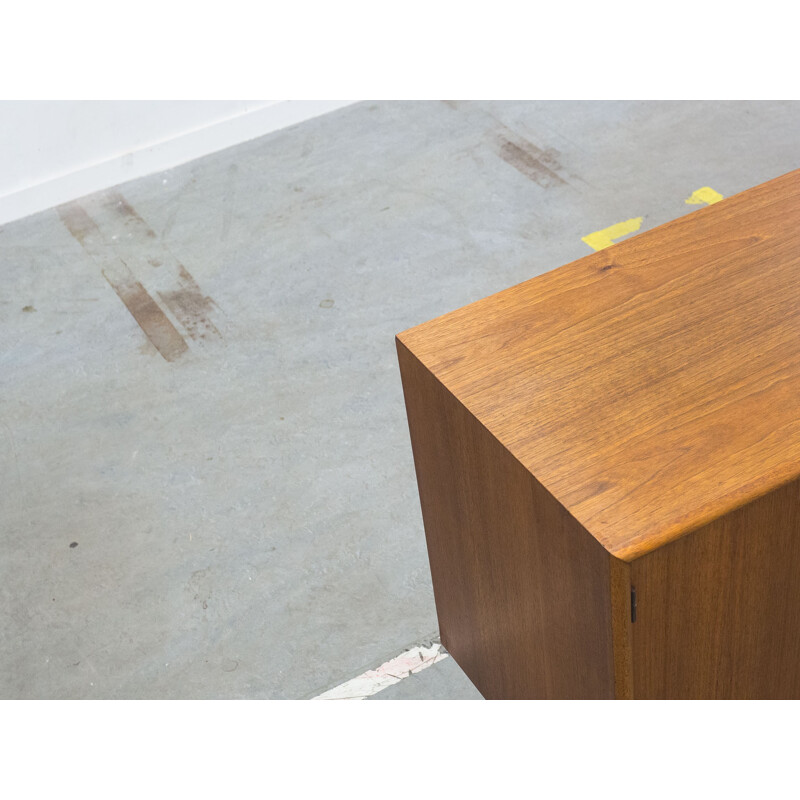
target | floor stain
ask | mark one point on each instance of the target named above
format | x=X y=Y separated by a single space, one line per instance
x=148 y=314
x=186 y=302
x=541 y=166
x=190 y=306
x=199 y=586
x=79 y=224
x=128 y=213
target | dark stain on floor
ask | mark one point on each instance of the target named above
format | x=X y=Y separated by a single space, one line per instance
x=541 y=166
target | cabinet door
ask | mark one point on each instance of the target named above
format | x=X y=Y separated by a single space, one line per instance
x=718 y=611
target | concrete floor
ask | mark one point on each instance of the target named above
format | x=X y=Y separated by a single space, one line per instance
x=228 y=509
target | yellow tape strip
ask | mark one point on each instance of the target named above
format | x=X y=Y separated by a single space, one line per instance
x=705 y=194
x=599 y=240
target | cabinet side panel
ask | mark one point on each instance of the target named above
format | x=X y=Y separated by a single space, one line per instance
x=718 y=611
x=522 y=590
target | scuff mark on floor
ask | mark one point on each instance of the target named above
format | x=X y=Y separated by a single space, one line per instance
x=541 y=166
x=189 y=306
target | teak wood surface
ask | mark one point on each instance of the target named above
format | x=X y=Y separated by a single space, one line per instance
x=629 y=421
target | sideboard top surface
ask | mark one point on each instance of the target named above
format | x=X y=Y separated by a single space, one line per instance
x=650 y=387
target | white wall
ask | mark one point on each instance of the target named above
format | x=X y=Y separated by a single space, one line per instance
x=53 y=152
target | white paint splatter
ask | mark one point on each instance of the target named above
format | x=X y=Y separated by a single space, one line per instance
x=374 y=680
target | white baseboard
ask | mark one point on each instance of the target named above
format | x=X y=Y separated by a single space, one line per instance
x=171 y=152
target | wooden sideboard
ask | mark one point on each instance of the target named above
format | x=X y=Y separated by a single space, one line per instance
x=607 y=458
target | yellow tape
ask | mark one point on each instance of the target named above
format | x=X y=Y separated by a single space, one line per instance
x=599 y=240
x=705 y=194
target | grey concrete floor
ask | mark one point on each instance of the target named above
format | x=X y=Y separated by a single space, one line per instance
x=228 y=509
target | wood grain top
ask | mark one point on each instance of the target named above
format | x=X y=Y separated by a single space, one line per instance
x=651 y=387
